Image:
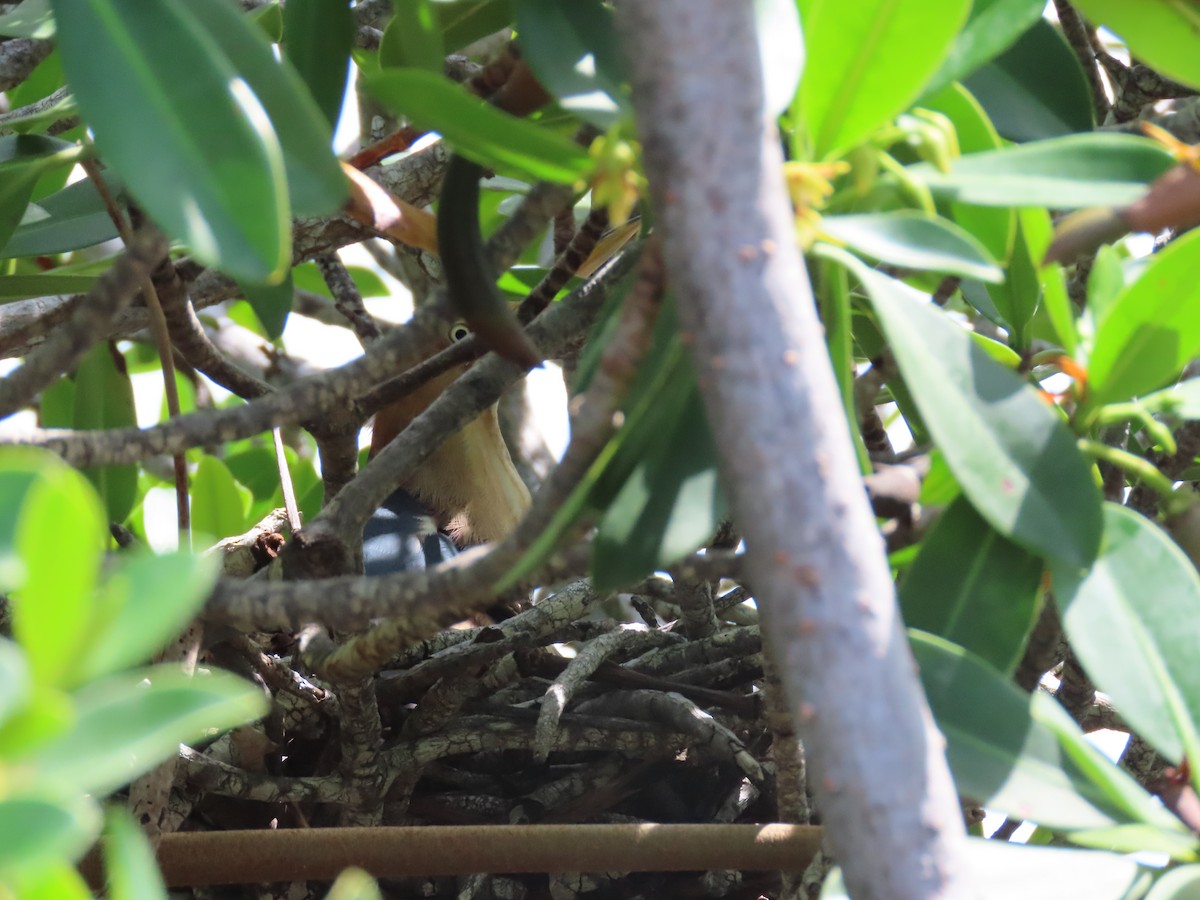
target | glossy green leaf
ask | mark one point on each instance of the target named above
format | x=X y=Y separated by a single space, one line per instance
x=35 y=832
x=1013 y=455
x=219 y=504
x=1017 y=297
x=131 y=722
x=413 y=38
x=316 y=184
x=1152 y=329
x=29 y=19
x=992 y=227
x=317 y=36
x=993 y=26
x=476 y=130
x=573 y=50
x=16 y=287
x=72 y=218
x=272 y=303
x=129 y=865
x=1062 y=173
x=14 y=675
x=1036 y=89
x=912 y=240
x=670 y=504
x=150 y=75
x=973 y=587
x=1160 y=33
x=1000 y=870
x=104 y=399
x=465 y=23
x=1021 y=754
x=61 y=519
x=1133 y=620
x=147 y=602
x=1178 y=884
x=23 y=159
x=867 y=61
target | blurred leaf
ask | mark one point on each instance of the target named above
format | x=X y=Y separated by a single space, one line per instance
x=269 y=18
x=1013 y=455
x=29 y=19
x=60 y=537
x=129 y=864
x=671 y=503
x=867 y=61
x=47 y=714
x=1177 y=884
x=781 y=48
x=993 y=26
x=1000 y=870
x=14 y=675
x=35 y=832
x=129 y=723
x=573 y=50
x=910 y=239
x=219 y=504
x=354 y=884
x=1097 y=169
x=54 y=881
x=413 y=38
x=16 y=287
x=478 y=131
x=23 y=160
x=272 y=304
x=1181 y=401
x=72 y=218
x=150 y=75
x=973 y=587
x=317 y=36
x=465 y=23
x=1036 y=89
x=1151 y=330
x=149 y=600
x=1105 y=281
x=1160 y=33
x=1021 y=754
x=1133 y=620
x=104 y=399
x=307 y=277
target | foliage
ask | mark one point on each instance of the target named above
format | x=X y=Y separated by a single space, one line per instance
x=930 y=147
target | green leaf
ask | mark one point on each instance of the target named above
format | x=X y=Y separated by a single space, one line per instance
x=57 y=880
x=1000 y=870
x=1181 y=401
x=573 y=50
x=1036 y=89
x=781 y=49
x=16 y=287
x=913 y=240
x=47 y=714
x=972 y=586
x=30 y=19
x=131 y=722
x=14 y=675
x=867 y=61
x=23 y=160
x=150 y=75
x=147 y=603
x=478 y=131
x=272 y=303
x=1160 y=33
x=317 y=36
x=1133 y=620
x=413 y=38
x=1021 y=754
x=61 y=519
x=465 y=23
x=104 y=399
x=994 y=25
x=35 y=832
x=1105 y=281
x=129 y=864
x=72 y=218
x=316 y=184
x=1151 y=330
x=1013 y=456
x=1177 y=884
x=354 y=884
x=219 y=504
x=671 y=503
x=1016 y=298
x=1061 y=173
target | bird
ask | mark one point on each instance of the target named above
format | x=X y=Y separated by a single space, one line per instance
x=467 y=492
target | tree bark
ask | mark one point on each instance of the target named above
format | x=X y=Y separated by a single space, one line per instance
x=877 y=761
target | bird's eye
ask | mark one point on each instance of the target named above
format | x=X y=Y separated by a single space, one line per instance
x=459 y=332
